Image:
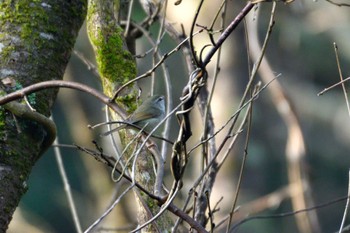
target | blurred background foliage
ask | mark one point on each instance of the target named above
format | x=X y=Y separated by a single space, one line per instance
x=300 y=50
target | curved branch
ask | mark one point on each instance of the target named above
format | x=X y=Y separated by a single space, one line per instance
x=22 y=110
x=62 y=84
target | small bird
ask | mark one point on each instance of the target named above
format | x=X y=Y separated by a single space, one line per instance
x=146 y=116
x=149 y=113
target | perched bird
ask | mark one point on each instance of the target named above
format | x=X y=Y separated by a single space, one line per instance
x=146 y=116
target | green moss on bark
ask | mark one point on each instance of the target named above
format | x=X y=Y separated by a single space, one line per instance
x=115 y=63
x=36 y=39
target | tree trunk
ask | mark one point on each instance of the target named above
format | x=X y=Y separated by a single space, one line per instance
x=36 y=39
x=116 y=67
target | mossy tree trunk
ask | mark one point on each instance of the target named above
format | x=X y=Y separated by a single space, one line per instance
x=116 y=67
x=36 y=40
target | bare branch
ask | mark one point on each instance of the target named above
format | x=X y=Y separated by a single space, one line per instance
x=61 y=84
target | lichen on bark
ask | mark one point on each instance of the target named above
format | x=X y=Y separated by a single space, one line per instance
x=36 y=39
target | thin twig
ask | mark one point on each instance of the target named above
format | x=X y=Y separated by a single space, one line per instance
x=233 y=116
x=208 y=118
x=341 y=77
x=333 y=86
x=193 y=52
x=161 y=33
x=67 y=188
x=168 y=87
x=210 y=212
x=112 y=139
x=125 y=168
x=223 y=5
x=90 y=66
x=287 y=214
x=247 y=118
x=128 y=18
x=346 y=207
x=338 y=4
x=105 y=214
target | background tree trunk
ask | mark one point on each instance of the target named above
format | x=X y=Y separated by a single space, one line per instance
x=116 y=67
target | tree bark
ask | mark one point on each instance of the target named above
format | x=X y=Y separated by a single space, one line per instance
x=116 y=67
x=36 y=39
